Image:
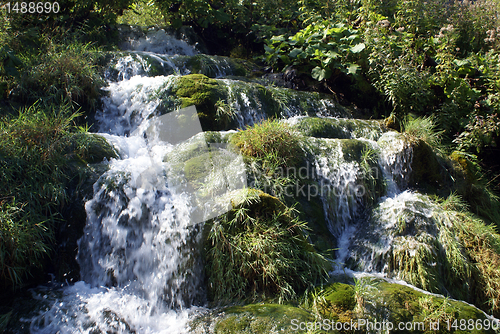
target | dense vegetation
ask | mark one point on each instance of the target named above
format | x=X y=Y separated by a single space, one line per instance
x=49 y=85
x=432 y=69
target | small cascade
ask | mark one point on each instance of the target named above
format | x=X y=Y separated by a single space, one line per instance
x=395 y=160
x=343 y=189
x=140 y=254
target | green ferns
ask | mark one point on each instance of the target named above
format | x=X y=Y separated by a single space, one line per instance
x=259 y=249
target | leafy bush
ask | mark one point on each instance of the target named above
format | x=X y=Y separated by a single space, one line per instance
x=481 y=131
x=259 y=249
x=240 y=15
x=41 y=152
x=323 y=48
x=142 y=13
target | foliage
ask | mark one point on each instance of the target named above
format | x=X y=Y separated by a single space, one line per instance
x=240 y=15
x=41 y=152
x=480 y=132
x=61 y=74
x=259 y=248
x=74 y=13
x=142 y=13
x=323 y=48
x=482 y=246
x=25 y=236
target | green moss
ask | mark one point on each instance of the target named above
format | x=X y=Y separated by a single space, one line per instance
x=94 y=148
x=353 y=149
x=212 y=65
x=254 y=318
x=404 y=304
x=341 y=128
x=468 y=168
x=198 y=167
x=203 y=92
x=340 y=295
x=314 y=214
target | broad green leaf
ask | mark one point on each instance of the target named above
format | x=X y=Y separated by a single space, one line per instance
x=295 y=52
x=358 y=48
x=221 y=16
x=319 y=73
x=461 y=62
x=268 y=49
x=332 y=54
x=276 y=39
x=352 y=68
x=285 y=59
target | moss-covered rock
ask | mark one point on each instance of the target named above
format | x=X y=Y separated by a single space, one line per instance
x=373 y=302
x=252 y=318
x=202 y=92
x=402 y=304
x=342 y=128
x=427 y=169
x=217 y=66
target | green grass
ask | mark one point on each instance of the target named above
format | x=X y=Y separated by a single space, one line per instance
x=65 y=73
x=272 y=142
x=424 y=128
x=482 y=246
x=259 y=250
x=41 y=154
x=467 y=252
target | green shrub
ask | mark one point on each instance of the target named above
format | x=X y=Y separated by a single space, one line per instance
x=323 y=49
x=480 y=132
x=259 y=249
x=142 y=13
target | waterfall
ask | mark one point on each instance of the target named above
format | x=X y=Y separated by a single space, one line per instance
x=141 y=253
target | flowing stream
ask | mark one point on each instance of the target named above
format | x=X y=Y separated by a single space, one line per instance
x=140 y=255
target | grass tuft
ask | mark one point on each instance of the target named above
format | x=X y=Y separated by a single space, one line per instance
x=272 y=142
x=424 y=128
x=259 y=249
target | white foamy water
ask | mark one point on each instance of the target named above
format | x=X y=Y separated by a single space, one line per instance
x=140 y=253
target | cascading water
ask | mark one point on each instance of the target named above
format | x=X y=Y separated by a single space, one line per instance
x=140 y=253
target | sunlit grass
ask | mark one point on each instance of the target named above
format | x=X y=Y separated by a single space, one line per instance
x=41 y=152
